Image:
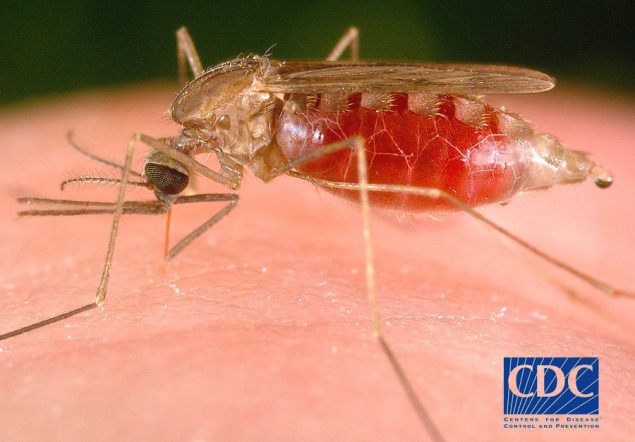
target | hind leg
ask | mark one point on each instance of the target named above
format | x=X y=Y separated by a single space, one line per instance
x=349 y=39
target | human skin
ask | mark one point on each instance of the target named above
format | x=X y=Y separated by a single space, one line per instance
x=260 y=329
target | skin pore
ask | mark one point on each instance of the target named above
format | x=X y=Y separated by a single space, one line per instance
x=260 y=329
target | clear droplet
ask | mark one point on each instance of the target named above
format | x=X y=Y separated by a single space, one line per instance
x=603 y=178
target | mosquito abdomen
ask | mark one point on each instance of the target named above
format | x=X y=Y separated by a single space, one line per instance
x=457 y=144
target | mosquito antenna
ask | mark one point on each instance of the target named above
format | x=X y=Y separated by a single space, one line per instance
x=99 y=180
x=92 y=156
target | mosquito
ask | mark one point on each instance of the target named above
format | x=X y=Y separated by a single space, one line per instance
x=395 y=135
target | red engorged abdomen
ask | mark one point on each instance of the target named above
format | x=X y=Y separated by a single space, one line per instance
x=474 y=162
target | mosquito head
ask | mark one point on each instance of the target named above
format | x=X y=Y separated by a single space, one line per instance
x=167 y=177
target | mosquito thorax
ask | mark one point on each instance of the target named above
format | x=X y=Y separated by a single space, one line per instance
x=215 y=88
x=225 y=108
x=167 y=176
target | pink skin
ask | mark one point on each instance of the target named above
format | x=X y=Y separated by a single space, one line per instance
x=260 y=331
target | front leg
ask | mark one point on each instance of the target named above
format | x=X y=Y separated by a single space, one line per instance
x=100 y=296
x=230 y=198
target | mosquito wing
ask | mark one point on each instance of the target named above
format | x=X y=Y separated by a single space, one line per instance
x=387 y=77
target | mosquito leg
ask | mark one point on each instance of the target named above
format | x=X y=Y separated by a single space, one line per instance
x=92 y=156
x=317 y=153
x=46 y=322
x=188 y=161
x=71 y=207
x=121 y=207
x=230 y=198
x=187 y=55
x=105 y=275
x=424 y=417
x=437 y=194
x=350 y=38
x=103 y=283
x=363 y=187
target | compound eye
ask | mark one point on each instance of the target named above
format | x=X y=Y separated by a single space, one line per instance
x=166 y=179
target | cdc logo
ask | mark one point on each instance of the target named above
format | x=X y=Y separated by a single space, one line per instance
x=551 y=386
